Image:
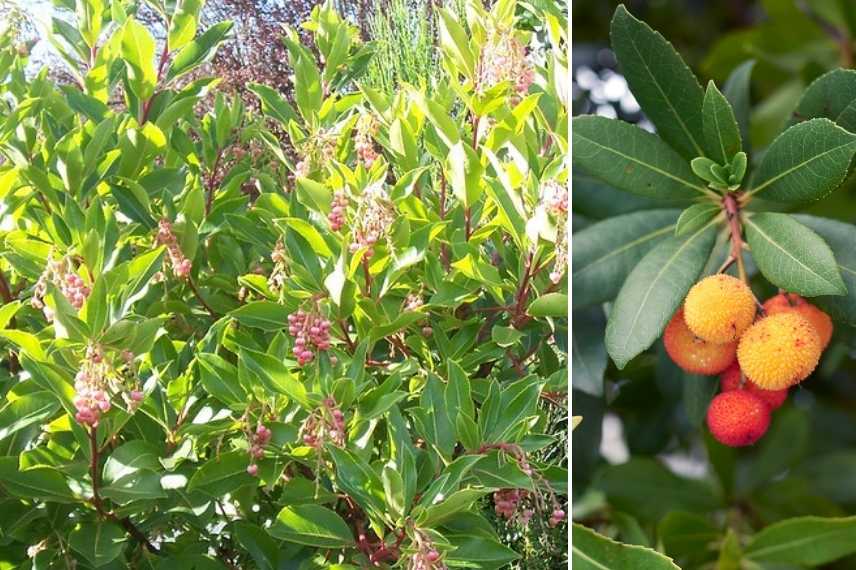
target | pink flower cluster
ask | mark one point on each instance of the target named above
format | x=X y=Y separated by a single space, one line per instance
x=504 y=59
x=258 y=441
x=61 y=274
x=506 y=502
x=308 y=330
x=92 y=387
x=367 y=128
x=74 y=290
x=181 y=266
x=326 y=424
x=336 y=217
x=554 y=197
x=373 y=220
x=316 y=151
x=426 y=557
x=556 y=518
x=276 y=281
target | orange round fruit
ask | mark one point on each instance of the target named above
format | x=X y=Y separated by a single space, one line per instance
x=779 y=351
x=719 y=308
x=785 y=302
x=738 y=418
x=693 y=354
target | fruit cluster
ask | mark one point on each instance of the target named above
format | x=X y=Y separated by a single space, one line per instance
x=257 y=440
x=759 y=355
x=367 y=127
x=325 y=424
x=308 y=330
x=336 y=217
x=180 y=265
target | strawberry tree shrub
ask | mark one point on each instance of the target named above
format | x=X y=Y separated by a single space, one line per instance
x=713 y=321
x=343 y=348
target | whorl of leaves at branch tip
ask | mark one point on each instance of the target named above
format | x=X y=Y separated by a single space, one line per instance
x=332 y=333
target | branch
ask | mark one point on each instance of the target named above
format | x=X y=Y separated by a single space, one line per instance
x=199 y=297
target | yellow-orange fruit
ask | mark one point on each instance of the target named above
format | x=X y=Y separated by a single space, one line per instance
x=719 y=308
x=785 y=302
x=779 y=351
x=693 y=354
x=738 y=418
x=730 y=380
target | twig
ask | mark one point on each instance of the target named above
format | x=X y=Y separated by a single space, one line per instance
x=199 y=297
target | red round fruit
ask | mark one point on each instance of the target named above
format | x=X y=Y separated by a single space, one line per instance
x=730 y=380
x=738 y=418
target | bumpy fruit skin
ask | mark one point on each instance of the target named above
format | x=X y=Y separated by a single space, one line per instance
x=779 y=351
x=738 y=418
x=786 y=302
x=730 y=380
x=692 y=353
x=719 y=308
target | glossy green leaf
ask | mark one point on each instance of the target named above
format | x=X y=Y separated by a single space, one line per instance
x=665 y=87
x=631 y=159
x=312 y=525
x=138 y=51
x=99 y=543
x=695 y=217
x=806 y=162
x=592 y=551
x=721 y=133
x=199 y=51
x=605 y=253
x=809 y=541
x=792 y=256
x=653 y=291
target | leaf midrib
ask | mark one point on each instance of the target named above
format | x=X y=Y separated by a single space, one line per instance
x=798 y=166
x=669 y=105
x=788 y=254
x=626 y=246
x=793 y=543
x=657 y=277
x=643 y=164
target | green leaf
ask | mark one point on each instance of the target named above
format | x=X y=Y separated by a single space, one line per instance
x=264 y=315
x=273 y=103
x=653 y=291
x=182 y=25
x=549 y=305
x=831 y=96
x=695 y=217
x=807 y=541
x=464 y=173
x=138 y=51
x=687 y=536
x=736 y=90
x=43 y=483
x=721 y=133
x=129 y=458
x=698 y=392
x=588 y=352
x=142 y=485
x=454 y=40
x=666 y=89
x=199 y=51
x=805 y=163
x=312 y=525
x=605 y=253
x=646 y=489
x=220 y=379
x=478 y=552
x=793 y=257
x=840 y=237
x=99 y=543
x=782 y=447
x=222 y=474
x=29 y=409
x=632 y=159
x=274 y=376
x=451 y=505
x=592 y=551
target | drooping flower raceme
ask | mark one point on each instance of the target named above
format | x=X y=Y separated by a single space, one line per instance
x=179 y=264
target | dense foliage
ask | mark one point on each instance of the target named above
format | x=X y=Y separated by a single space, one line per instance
x=710 y=194
x=342 y=345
